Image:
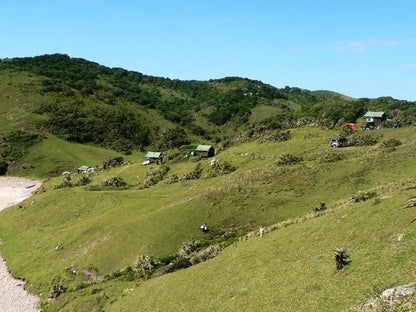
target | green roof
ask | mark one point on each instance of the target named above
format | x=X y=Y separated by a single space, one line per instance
x=153 y=155
x=203 y=148
x=374 y=114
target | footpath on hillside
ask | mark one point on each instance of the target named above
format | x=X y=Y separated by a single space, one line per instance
x=13 y=296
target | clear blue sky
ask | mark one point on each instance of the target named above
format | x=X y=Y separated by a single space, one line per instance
x=359 y=48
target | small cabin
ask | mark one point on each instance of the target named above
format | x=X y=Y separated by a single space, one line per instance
x=374 y=120
x=205 y=151
x=153 y=157
x=85 y=169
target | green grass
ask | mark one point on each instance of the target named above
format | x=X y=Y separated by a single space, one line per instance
x=107 y=230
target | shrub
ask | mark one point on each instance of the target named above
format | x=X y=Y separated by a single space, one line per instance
x=219 y=168
x=154 y=176
x=194 y=174
x=3 y=167
x=390 y=143
x=363 y=196
x=57 y=288
x=341 y=258
x=287 y=159
x=144 y=265
x=322 y=207
x=85 y=179
x=189 y=248
x=276 y=136
x=180 y=263
x=66 y=182
x=113 y=182
x=362 y=139
x=206 y=254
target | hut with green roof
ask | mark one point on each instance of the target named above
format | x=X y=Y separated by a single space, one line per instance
x=205 y=151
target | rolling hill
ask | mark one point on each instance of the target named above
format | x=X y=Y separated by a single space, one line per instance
x=127 y=238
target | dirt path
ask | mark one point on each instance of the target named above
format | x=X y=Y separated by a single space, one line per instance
x=13 y=296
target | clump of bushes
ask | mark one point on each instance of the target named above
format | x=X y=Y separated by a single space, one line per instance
x=154 y=176
x=322 y=207
x=195 y=174
x=84 y=179
x=219 y=167
x=341 y=258
x=206 y=254
x=331 y=157
x=363 y=196
x=189 y=248
x=287 y=159
x=110 y=183
x=276 y=136
x=58 y=287
x=66 y=182
x=362 y=139
x=111 y=163
x=390 y=143
x=144 y=265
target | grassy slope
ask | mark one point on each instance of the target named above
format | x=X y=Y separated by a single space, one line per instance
x=107 y=230
x=292 y=269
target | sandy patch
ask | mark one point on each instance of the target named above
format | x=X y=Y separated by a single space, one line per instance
x=13 y=296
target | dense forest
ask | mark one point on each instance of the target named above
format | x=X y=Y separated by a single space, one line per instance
x=89 y=103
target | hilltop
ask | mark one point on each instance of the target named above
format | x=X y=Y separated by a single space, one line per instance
x=127 y=236
x=83 y=102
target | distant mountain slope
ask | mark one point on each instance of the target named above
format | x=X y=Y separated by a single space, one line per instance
x=84 y=102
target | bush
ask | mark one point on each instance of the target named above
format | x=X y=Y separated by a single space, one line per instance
x=194 y=174
x=110 y=183
x=363 y=196
x=341 y=258
x=362 y=139
x=276 y=136
x=57 y=288
x=206 y=254
x=287 y=159
x=154 y=176
x=390 y=143
x=144 y=265
x=189 y=248
x=219 y=168
x=3 y=167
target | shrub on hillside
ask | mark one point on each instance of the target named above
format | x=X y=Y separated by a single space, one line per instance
x=144 y=265
x=390 y=143
x=275 y=136
x=58 y=287
x=287 y=159
x=194 y=174
x=188 y=248
x=3 y=167
x=362 y=139
x=341 y=258
x=206 y=254
x=363 y=196
x=110 y=183
x=154 y=176
x=219 y=167
x=66 y=182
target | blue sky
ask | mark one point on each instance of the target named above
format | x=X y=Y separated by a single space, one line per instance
x=360 y=48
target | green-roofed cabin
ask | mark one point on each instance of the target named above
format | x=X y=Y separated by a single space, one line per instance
x=153 y=157
x=374 y=120
x=205 y=151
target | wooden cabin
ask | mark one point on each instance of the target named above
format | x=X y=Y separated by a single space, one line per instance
x=205 y=151
x=374 y=120
x=153 y=157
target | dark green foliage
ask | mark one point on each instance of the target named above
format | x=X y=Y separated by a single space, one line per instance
x=322 y=207
x=3 y=167
x=275 y=136
x=390 y=143
x=363 y=196
x=362 y=139
x=341 y=258
x=110 y=183
x=154 y=176
x=144 y=265
x=58 y=287
x=219 y=167
x=287 y=159
x=178 y=264
x=194 y=174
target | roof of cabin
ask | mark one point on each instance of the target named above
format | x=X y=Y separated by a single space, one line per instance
x=203 y=148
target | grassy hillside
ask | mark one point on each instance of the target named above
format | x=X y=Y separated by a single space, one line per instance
x=84 y=102
x=104 y=231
